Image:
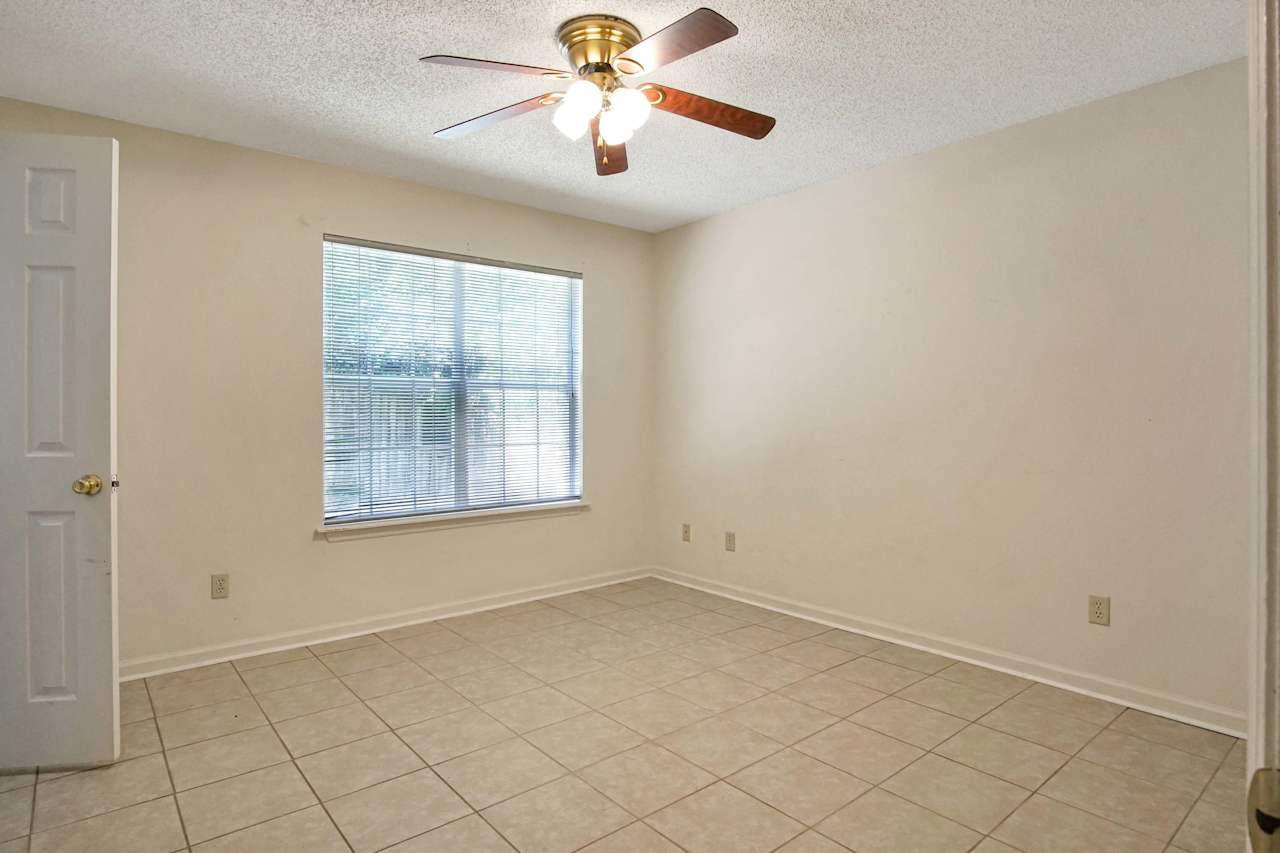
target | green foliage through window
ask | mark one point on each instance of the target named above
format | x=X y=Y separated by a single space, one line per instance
x=448 y=384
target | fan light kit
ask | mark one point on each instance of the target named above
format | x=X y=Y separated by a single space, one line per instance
x=601 y=50
x=621 y=112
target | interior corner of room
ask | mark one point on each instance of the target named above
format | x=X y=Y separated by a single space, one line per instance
x=996 y=396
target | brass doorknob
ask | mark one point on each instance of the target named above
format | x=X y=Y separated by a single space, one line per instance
x=89 y=484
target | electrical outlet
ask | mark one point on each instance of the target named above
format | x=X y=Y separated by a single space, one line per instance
x=219 y=586
x=686 y=533
x=730 y=541
x=1099 y=610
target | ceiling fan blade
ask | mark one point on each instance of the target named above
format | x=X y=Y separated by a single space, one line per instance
x=707 y=111
x=489 y=65
x=610 y=159
x=471 y=125
x=699 y=29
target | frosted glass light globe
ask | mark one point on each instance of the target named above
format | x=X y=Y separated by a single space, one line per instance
x=633 y=105
x=572 y=124
x=614 y=127
x=583 y=98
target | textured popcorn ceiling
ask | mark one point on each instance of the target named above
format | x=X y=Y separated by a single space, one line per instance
x=852 y=84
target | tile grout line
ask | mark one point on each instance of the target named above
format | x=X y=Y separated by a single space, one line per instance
x=1070 y=756
x=1109 y=726
x=288 y=760
x=924 y=752
x=296 y=769
x=173 y=789
x=1030 y=792
x=258 y=823
x=628 y=826
x=1200 y=796
x=224 y=779
x=31 y=817
x=1039 y=789
x=873 y=785
x=784 y=747
x=1075 y=756
x=431 y=767
x=807 y=827
x=427 y=765
x=68 y=774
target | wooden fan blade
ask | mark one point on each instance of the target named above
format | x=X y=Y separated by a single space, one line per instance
x=489 y=65
x=610 y=159
x=471 y=125
x=707 y=111
x=699 y=29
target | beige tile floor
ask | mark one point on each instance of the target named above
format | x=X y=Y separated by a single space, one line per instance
x=642 y=716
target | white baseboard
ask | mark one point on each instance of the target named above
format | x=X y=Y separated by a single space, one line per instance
x=1225 y=720
x=157 y=664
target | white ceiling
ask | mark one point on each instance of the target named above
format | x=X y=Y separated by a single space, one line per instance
x=852 y=84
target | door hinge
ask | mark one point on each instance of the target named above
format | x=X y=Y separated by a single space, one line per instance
x=1264 y=810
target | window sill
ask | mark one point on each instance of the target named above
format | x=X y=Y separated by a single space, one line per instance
x=465 y=518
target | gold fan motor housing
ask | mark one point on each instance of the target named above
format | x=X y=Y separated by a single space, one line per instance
x=591 y=40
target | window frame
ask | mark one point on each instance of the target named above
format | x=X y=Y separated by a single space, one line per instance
x=408 y=522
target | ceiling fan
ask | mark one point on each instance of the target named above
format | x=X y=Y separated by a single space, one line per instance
x=601 y=50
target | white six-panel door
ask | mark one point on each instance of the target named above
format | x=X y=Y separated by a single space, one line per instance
x=59 y=703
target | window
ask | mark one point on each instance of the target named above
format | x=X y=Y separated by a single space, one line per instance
x=449 y=384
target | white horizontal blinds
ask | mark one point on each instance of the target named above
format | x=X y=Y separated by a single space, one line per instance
x=448 y=385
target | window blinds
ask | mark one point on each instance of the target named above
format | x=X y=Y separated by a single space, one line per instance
x=448 y=384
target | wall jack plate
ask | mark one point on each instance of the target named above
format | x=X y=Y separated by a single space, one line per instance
x=730 y=541
x=1099 y=610
x=686 y=533
x=219 y=586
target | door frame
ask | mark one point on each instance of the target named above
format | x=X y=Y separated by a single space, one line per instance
x=1264 y=594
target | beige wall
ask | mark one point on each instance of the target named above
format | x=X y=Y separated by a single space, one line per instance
x=957 y=394
x=220 y=397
